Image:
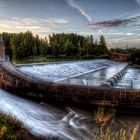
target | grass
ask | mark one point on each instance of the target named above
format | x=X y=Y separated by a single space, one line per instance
x=122 y=134
x=40 y=59
x=102 y=116
x=11 y=129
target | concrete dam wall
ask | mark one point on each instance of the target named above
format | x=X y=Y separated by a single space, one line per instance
x=14 y=81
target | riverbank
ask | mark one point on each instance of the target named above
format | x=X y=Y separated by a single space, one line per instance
x=12 y=129
x=42 y=59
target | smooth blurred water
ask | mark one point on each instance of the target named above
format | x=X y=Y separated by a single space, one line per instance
x=95 y=78
x=64 y=123
x=47 y=120
x=60 y=72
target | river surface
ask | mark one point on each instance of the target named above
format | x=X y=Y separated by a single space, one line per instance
x=65 y=123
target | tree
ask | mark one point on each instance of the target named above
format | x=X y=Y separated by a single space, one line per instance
x=23 y=45
x=102 y=46
x=68 y=47
x=44 y=47
x=7 y=41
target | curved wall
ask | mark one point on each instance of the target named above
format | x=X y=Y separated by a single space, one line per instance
x=14 y=81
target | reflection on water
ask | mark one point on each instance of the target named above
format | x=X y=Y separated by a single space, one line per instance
x=130 y=80
x=65 y=123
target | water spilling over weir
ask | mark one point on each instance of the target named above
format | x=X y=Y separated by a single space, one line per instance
x=87 y=73
x=130 y=80
x=69 y=123
x=64 y=123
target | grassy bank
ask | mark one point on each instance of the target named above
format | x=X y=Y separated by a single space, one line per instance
x=11 y=129
x=40 y=59
x=108 y=129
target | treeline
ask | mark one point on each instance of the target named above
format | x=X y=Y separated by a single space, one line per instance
x=133 y=53
x=23 y=45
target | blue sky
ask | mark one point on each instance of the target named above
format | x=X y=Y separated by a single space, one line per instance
x=118 y=20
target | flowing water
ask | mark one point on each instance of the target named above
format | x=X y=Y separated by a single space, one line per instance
x=89 y=73
x=47 y=120
x=131 y=79
x=65 y=123
x=95 y=78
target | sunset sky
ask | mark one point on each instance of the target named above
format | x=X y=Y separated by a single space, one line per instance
x=118 y=20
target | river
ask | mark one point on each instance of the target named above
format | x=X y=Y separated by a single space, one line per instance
x=65 y=123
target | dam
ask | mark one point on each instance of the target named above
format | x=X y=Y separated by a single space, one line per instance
x=68 y=86
x=90 y=82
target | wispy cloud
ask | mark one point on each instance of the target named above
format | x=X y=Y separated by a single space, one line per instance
x=57 y=21
x=77 y=7
x=116 y=22
x=39 y=21
x=2 y=4
x=138 y=1
x=38 y=26
x=120 y=34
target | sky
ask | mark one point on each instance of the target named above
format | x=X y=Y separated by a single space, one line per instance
x=117 y=20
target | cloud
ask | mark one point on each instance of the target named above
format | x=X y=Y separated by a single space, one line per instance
x=2 y=4
x=78 y=8
x=57 y=21
x=37 y=26
x=115 y=22
x=120 y=34
x=138 y=1
x=40 y=21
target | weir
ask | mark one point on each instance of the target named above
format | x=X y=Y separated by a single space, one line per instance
x=86 y=73
x=116 y=78
x=18 y=83
x=131 y=79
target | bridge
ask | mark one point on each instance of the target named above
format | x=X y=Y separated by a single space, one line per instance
x=18 y=83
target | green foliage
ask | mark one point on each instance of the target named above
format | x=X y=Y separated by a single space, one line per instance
x=23 y=45
x=102 y=115
x=106 y=132
x=11 y=129
x=7 y=40
x=133 y=53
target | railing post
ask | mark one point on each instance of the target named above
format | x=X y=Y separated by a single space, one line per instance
x=131 y=83
x=67 y=80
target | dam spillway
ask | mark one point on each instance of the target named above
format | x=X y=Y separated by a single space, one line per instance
x=67 y=122
x=105 y=75
x=131 y=79
x=86 y=73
